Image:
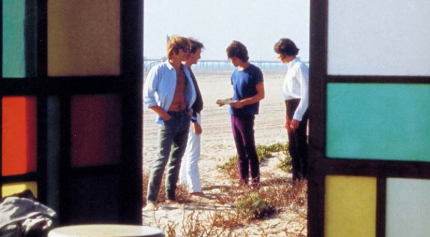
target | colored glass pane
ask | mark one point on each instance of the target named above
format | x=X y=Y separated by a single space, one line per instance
x=408 y=208
x=95 y=199
x=378 y=121
x=83 y=37
x=19 y=135
x=96 y=126
x=350 y=206
x=369 y=37
x=19 y=38
x=13 y=38
x=12 y=188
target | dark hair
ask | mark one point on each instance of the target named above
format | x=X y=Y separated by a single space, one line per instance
x=286 y=47
x=195 y=45
x=238 y=50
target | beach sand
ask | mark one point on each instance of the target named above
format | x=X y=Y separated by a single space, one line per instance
x=217 y=144
x=217 y=140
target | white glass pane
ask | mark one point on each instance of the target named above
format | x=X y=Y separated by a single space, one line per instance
x=408 y=208
x=384 y=37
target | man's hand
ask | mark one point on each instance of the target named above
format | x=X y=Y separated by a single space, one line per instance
x=288 y=124
x=295 y=124
x=163 y=114
x=219 y=103
x=197 y=129
x=236 y=104
x=165 y=117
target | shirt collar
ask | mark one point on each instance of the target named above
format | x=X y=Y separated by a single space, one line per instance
x=169 y=65
x=291 y=64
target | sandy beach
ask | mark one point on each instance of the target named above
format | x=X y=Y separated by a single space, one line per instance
x=217 y=144
x=217 y=140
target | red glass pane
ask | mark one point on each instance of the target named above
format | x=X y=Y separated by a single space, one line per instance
x=19 y=135
x=95 y=131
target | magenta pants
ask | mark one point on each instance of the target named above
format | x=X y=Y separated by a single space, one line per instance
x=243 y=133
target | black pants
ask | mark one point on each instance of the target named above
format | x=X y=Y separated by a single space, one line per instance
x=298 y=147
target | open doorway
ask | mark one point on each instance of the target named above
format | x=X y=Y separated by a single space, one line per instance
x=258 y=26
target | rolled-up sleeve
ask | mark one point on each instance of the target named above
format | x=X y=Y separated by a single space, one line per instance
x=150 y=88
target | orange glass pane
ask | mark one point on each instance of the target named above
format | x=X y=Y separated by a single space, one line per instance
x=95 y=131
x=19 y=135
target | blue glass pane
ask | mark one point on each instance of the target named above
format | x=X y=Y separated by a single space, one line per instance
x=378 y=121
x=19 y=38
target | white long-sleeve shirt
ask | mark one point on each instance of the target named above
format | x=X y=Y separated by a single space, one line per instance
x=296 y=86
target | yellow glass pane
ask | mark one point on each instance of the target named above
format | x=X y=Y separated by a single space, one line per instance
x=12 y=188
x=83 y=37
x=350 y=206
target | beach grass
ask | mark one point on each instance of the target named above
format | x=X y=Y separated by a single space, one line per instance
x=215 y=214
x=236 y=208
x=263 y=152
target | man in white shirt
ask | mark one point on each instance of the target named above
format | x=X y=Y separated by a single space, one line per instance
x=189 y=174
x=296 y=95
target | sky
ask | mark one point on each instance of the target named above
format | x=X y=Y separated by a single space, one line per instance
x=258 y=24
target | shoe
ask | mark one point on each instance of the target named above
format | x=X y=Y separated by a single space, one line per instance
x=243 y=183
x=171 y=202
x=150 y=207
x=255 y=186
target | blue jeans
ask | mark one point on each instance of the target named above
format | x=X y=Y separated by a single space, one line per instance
x=172 y=141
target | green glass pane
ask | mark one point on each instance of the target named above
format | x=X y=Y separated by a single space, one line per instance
x=19 y=38
x=13 y=38
x=378 y=121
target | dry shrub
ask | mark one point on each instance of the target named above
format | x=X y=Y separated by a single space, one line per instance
x=230 y=168
x=230 y=194
x=170 y=229
x=181 y=191
x=282 y=192
x=225 y=219
x=193 y=225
